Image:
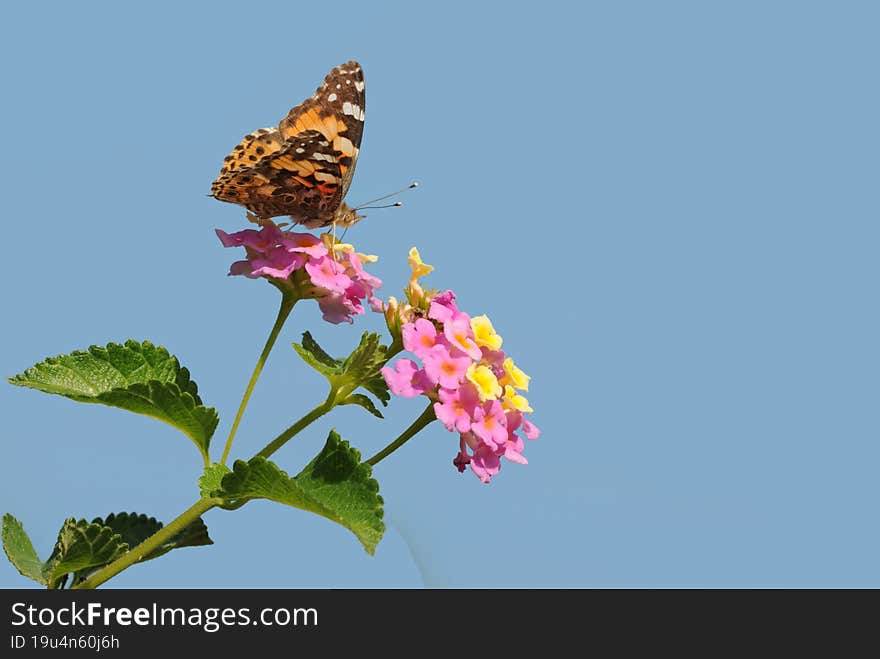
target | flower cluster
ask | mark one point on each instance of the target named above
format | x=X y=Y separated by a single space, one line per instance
x=474 y=385
x=311 y=267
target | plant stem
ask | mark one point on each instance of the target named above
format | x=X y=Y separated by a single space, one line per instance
x=424 y=419
x=149 y=545
x=287 y=302
x=314 y=415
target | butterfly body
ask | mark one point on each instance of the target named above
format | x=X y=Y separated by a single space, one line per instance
x=304 y=166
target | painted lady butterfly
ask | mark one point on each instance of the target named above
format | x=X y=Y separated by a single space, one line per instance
x=303 y=167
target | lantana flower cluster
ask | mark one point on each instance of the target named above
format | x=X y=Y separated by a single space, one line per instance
x=475 y=386
x=312 y=267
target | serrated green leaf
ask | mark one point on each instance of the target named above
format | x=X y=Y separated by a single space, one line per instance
x=81 y=546
x=19 y=549
x=335 y=485
x=363 y=401
x=379 y=388
x=138 y=377
x=167 y=403
x=317 y=351
x=309 y=358
x=134 y=529
x=209 y=481
x=87 y=373
x=365 y=360
x=362 y=368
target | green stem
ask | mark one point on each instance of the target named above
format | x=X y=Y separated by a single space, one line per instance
x=312 y=416
x=149 y=545
x=287 y=302
x=424 y=419
x=316 y=413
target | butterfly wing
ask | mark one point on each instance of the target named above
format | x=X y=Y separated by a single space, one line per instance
x=301 y=179
x=304 y=167
x=336 y=110
x=252 y=148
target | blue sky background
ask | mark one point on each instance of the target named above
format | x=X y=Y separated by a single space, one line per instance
x=669 y=210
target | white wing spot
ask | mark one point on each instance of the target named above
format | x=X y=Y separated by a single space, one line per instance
x=300 y=150
x=332 y=97
x=359 y=85
x=326 y=177
x=353 y=110
x=338 y=86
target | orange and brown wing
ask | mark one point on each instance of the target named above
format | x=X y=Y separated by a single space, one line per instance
x=304 y=167
x=336 y=110
x=302 y=179
x=252 y=148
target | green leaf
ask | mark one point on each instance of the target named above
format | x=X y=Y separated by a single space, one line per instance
x=362 y=368
x=379 y=388
x=81 y=546
x=20 y=551
x=138 y=377
x=134 y=529
x=335 y=485
x=367 y=359
x=209 y=482
x=84 y=547
x=363 y=401
x=317 y=352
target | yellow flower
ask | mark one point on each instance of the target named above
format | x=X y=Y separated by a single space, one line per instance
x=484 y=333
x=419 y=268
x=485 y=381
x=514 y=376
x=515 y=401
x=334 y=246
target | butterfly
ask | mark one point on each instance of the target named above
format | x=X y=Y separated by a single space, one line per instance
x=302 y=168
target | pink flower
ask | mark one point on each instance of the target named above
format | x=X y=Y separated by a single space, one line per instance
x=278 y=263
x=444 y=368
x=302 y=262
x=257 y=239
x=490 y=424
x=419 y=337
x=530 y=430
x=456 y=407
x=443 y=307
x=485 y=463
x=405 y=379
x=339 y=308
x=243 y=268
x=358 y=273
x=458 y=332
x=495 y=360
x=513 y=448
x=463 y=368
x=327 y=273
x=305 y=243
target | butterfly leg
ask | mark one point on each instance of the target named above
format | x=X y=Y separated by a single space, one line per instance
x=333 y=239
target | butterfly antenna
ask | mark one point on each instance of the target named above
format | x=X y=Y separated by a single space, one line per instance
x=366 y=204
x=394 y=205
